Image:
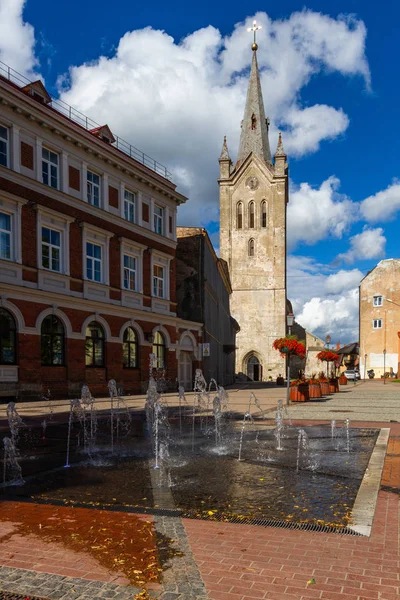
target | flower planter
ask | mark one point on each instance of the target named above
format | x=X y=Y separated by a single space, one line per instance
x=299 y=393
x=315 y=390
x=324 y=388
x=343 y=380
x=333 y=386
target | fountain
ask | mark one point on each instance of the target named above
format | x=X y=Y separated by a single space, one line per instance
x=302 y=447
x=333 y=429
x=347 y=427
x=11 y=464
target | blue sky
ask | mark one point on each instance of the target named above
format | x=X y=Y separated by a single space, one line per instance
x=330 y=82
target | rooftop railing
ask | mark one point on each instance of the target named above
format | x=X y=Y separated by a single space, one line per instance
x=75 y=115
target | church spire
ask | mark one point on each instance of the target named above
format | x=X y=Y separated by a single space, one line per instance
x=280 y=151
x=254 y=134
x=224 y=151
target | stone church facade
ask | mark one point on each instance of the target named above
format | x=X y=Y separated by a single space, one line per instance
x=253 y=201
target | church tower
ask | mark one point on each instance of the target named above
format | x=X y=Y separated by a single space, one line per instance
x=253 y=199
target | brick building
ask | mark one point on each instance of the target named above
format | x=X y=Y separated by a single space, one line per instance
x=203 y=289
x=87 y=253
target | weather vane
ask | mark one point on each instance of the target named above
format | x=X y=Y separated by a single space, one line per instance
x=255 y=28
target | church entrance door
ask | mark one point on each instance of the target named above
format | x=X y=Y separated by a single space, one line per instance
x=254 y=369
x=185 y=370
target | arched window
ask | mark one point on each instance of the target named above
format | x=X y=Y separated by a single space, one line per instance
x=239 y=215
x=263 y=213
x=94 y=348
x=251 y=215
x=159 y=349
x=130 y=349
x=251 y=247
x=8 y=338
x=52 y=342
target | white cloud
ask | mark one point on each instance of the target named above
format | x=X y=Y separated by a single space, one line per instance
x=337 y=317
x=382 y=206
x=177 y=100
x=370 y=243
x=17 y=38
x=343 y=281
x=316 y=213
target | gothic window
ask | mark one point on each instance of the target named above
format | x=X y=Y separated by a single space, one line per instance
x=94 y=347
x=251 y=247
x=251 y=215
x=52 y=342
x=263 y=213
x=239 y=216
x=130 y=349
x=159 y=349
x=8 y=338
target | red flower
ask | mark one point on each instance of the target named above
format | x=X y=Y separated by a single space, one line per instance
x=327 y=356
x=289 y=346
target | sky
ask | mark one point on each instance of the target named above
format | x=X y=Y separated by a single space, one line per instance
x=172 y=79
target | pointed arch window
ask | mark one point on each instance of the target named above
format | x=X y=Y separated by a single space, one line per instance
x=263 y=213
x=251 y=247
x=251 y=215
x=8 y=338
x=130 y=349
x=159 y=349
x=94 y=347
x=52 y=341
x=239 y=215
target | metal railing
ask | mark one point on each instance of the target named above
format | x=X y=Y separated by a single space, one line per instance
x=75 y=115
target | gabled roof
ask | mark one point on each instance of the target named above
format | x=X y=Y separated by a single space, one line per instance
x=37 y=90
x=349 y=349
x=104 y=133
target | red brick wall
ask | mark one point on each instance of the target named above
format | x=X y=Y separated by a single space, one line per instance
x=113 y=199
x=75 y=250
x=115 y=262
x=28 y=235
x=74 y=178
x=26 y=155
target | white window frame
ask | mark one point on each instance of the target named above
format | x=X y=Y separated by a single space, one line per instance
x=129 y=206
x=158 y=219
x=92 y=186
x=161 y=260
x=95 y=235
x=130 y=271
x=50 y=164
x=95 y=261
x=52 y=247
x=377 y=323
x=13 y=209
x=53 y=220
x=5 y=140
x=378 y=300
x=134 y=250
x=158 y=281
x=7 y=232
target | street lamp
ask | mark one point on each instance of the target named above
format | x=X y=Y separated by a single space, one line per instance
x=289 y=323
x=328 y=340
x=384 y=366
x=392 y=301
x=365 y=366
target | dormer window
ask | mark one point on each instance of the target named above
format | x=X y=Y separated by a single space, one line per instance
x=103 y=133
x=37 y=90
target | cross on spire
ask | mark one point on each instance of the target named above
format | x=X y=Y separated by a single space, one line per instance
x=254 y=29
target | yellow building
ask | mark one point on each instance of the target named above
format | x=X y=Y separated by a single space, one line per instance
x=380 y=319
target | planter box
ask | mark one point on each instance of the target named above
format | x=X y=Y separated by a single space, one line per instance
x=333 y=386
x=315 y=390
x=343 y=380
x=299 y=393
x=324 y=388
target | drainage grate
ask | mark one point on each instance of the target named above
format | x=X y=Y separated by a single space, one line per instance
x=339 y=410
x=9 y=596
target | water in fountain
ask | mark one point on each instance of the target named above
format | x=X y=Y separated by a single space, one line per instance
x=112 y=390
x=46 y=398
x=119 y=410
x=12 y=472
x=90 y=424
x=347 y=427
x=333 y=429
x=160 y=430
x=14 y=422
x=302 y=447
x=200 y=398
x=224 y=397
x=44 y=426
x=217 y=410
x=182 y=399
x=246 y=418
x=279 y=425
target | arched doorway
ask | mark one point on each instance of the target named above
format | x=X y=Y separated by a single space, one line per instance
x=254 y=368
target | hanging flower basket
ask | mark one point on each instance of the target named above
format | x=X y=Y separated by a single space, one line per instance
x=289 y=346
x=327 y=356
